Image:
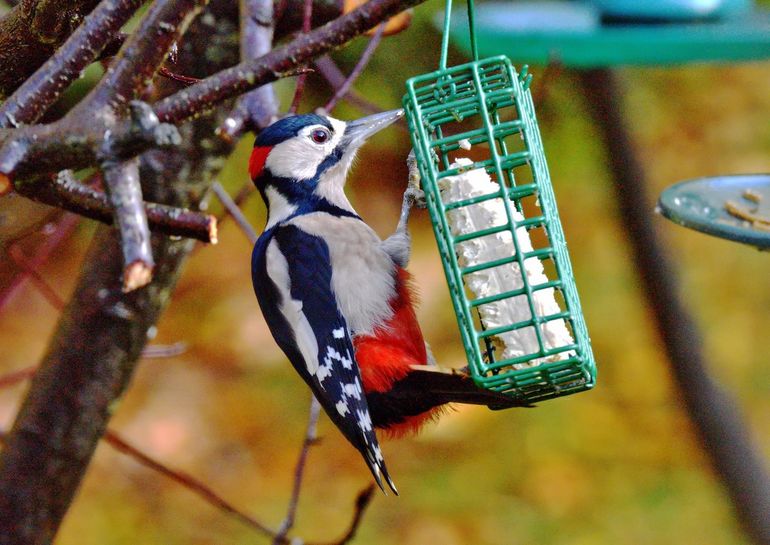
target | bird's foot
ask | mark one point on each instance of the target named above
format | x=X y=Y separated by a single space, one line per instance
x=413 y=190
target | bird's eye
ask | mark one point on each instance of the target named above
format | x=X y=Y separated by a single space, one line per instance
x=320 y=136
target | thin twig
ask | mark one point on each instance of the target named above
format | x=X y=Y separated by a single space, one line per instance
x=188 y=482
x=363 y=500
x=332 y=74
x=23 y=263
x=311 y=436
x=343 y=89
x=212 y=498
x=59 y=232
x=187 y=80
x=15 y=377
x=307 y=18
x=235 y=212
x=157 y=351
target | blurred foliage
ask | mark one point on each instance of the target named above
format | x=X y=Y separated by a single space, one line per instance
x=617 y=465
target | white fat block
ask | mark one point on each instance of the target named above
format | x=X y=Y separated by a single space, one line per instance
x=504 y=278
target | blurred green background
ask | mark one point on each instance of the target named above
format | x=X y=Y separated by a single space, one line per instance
x=619 y=464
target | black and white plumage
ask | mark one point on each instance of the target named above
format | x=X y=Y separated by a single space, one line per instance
x=299 y=166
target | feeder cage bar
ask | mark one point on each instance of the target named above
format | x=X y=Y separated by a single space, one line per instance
x=477 y=119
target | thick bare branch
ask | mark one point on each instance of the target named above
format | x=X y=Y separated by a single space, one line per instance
x=31 y=150
x=268 y=68
x=32 y=31
x=258 y=108
x=37 y=149
x=30 y=101
x=143 y=53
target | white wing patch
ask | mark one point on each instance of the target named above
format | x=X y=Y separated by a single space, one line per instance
x=338 y=333
x=364 y=420
x=342 y=407
x=278 y=271
x=332 y=356
x=353 y=390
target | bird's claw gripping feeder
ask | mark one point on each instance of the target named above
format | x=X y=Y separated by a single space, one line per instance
x=489 y=195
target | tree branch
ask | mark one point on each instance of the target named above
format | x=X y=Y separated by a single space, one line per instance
x=33 y=98
x=344 y=88
x=311 y=436
x=50 y=148
x=232 y=208
x=142 y=54
x=268 y=68
x=67 y=193
x=258 y=108
x=102 y=332
x=32 y=31
x=125 y=193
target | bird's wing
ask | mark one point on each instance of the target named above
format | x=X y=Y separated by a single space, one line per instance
x=292 y=276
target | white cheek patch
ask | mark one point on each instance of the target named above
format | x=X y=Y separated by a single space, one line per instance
x=278 y=271
x=299 y=157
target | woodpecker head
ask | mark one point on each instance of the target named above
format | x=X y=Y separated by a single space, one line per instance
x=301 y=159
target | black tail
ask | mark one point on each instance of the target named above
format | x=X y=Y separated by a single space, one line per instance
x=423 y=389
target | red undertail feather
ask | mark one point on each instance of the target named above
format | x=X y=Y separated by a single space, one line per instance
x=387 y=356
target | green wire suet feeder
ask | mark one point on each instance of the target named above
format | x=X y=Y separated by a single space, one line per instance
x=487 y=188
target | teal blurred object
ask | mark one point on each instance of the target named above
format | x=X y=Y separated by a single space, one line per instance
x=672 y=10
x=702 y=204
x=573 y=33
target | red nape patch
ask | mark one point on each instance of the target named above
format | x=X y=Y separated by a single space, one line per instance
x=257 y=160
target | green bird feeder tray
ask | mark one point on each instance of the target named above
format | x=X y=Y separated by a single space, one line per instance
x=480 y=157
x=735 y=207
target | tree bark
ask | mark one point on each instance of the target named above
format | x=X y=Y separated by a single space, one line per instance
x=100 y=336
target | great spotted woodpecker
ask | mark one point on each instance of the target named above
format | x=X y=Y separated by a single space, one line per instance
x=335 y=296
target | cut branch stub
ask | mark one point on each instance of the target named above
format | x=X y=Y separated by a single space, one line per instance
x=125 y=193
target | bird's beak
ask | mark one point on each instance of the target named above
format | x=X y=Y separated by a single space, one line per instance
x=356 y=132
